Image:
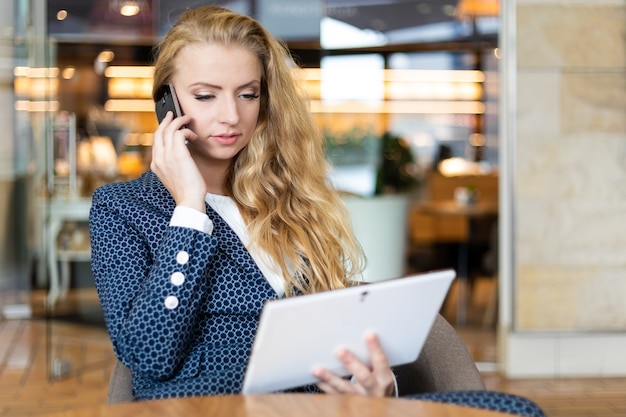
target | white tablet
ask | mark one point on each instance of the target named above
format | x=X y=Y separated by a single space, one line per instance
x=300 y=333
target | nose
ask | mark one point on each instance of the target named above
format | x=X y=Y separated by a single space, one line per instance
x=228 y=111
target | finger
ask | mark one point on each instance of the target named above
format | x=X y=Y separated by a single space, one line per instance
x=331 y=383
x=169 y=116
x=361 y=371
x=327 y=388
x=188 y=134
x=364 y=381
x=159 y=133
x=376 y=379
x=382 y=372
x=378 y=355
x=164 y=139
x=178 y=123
x=169 y=153
x=175 y=133
x=175 y=145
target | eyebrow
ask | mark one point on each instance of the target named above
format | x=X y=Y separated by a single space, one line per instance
x=218 y=87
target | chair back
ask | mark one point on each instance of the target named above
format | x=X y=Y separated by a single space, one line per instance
x=444 y=364
x=120 y=385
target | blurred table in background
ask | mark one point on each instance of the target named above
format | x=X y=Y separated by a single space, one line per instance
x=440 y=222
x=446 y=210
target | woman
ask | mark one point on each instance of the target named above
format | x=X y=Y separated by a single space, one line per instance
x=235 y=210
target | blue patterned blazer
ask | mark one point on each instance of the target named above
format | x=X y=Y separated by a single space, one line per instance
x=181 y=306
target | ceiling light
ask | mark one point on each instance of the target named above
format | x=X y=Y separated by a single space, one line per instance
x=105 y=56
x=474 y=8
x=129 y=8
x=68 y=73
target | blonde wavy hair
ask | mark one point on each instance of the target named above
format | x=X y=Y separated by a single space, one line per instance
x=279 y=181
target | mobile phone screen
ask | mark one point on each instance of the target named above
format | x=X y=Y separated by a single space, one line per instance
x=166 y=101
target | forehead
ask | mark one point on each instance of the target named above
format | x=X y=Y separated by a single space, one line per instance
x=213 y=63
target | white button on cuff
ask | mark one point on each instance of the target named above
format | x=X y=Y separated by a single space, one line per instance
x=171 y=302
x=177 y=278
x=182 y=257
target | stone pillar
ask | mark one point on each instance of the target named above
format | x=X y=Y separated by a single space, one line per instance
x=566 y=277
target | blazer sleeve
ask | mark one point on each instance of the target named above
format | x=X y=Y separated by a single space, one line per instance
x=150 y=278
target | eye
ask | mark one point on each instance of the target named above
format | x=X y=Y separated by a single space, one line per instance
x=204 y=97
x=249 y=96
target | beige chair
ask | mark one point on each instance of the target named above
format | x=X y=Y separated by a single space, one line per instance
x=445 y=364
x=120 y=385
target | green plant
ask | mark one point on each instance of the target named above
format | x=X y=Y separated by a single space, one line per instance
x=397 y=172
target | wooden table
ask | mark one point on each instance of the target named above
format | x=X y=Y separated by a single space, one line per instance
x=452 y=208
x=282 y=405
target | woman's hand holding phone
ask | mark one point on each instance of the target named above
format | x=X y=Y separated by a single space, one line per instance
x=173 y=164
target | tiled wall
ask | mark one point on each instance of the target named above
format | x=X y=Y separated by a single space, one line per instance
x=570 y=165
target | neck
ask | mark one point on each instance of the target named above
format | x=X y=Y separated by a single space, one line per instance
x=215 y=174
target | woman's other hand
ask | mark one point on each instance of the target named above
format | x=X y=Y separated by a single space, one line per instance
x=376 y=380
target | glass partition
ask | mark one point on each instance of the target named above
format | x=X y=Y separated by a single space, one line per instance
x=50 y=212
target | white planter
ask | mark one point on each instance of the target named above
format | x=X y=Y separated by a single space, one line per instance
x=380 y=226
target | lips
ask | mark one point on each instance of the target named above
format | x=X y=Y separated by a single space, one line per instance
x=226 y=139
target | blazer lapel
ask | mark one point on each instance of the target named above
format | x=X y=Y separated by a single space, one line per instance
x=231 y=243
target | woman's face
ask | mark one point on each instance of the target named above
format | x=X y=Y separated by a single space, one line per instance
x=219 y=88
